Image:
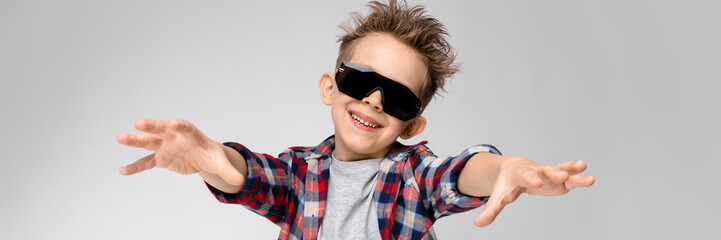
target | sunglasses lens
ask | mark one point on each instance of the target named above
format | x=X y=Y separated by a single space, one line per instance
x=358 y=81
x=400 y=109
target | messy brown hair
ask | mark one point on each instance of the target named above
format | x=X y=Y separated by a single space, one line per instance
x=411 y=26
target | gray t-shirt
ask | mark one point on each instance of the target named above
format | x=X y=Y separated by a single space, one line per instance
x=350 y=212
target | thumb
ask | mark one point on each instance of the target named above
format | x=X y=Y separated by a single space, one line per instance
x=222 y=167
x=143 y=164
x=219 y=164
x=490 y=211
x=231 y=175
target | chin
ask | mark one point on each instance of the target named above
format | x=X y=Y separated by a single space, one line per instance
x=364 y=146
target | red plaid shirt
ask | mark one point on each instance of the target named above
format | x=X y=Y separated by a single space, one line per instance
x=414 y=188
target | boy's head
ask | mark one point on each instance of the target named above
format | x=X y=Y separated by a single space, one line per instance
x=425 y=34
x=401 y=45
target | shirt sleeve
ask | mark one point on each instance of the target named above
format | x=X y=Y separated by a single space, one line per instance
x=437 y=178
x=266 y=187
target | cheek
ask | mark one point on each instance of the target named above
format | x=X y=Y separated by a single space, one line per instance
x=340 y=102
x=397 y=126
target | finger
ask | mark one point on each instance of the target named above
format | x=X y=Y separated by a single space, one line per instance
x=185 y=127
x=553 y=173
x=579 y=181
x=156 y=127
x=493 y=207
x=572 y=168
x=181 y=126
x=145 y=141
x=143 y=164
x=531 y=178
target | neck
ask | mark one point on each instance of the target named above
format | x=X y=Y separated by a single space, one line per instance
x=344 y=153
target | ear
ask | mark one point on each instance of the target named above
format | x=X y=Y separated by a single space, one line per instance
x=415 y=127
x=325 y=85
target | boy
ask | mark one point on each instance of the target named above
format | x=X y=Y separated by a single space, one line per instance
x=360 y=183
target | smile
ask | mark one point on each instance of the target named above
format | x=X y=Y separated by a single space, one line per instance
x=363 y=122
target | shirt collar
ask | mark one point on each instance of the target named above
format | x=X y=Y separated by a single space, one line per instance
x=398 y=152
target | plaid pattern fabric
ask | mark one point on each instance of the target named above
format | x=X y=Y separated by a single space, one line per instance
x=414 y=189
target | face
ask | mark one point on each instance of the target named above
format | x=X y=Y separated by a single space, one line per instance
x=362 y=129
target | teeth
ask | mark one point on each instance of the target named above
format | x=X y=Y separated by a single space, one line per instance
x=370 y=125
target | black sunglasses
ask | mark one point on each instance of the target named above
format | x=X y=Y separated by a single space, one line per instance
x=359 y=81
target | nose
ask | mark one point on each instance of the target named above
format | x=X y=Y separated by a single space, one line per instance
x=375 y=101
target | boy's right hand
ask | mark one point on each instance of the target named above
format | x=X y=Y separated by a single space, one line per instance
x=180 y=147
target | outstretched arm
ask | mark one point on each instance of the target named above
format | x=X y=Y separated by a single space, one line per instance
x=504 y=178
x=181 y=147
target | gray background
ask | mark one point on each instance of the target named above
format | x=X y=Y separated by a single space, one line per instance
x=631 y=87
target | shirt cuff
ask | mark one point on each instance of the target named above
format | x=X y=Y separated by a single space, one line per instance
x=459 y=199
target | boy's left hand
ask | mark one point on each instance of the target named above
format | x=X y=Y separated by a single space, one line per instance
x=521 y=175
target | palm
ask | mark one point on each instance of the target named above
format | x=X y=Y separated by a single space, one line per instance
x=521 y=175
x=187 y=153
x=178 y=145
